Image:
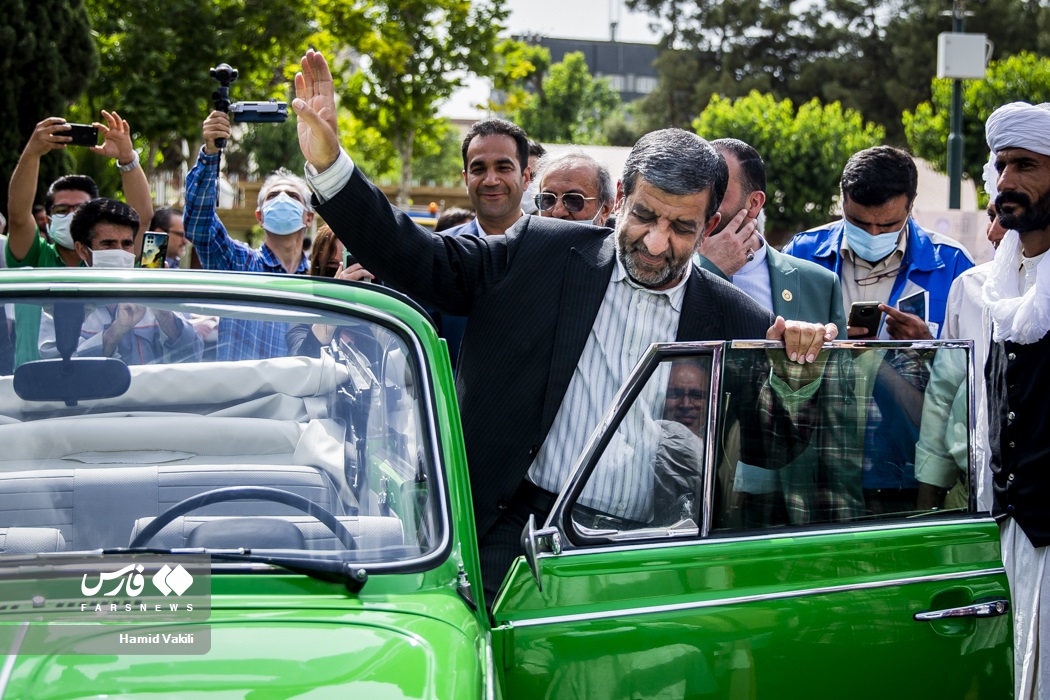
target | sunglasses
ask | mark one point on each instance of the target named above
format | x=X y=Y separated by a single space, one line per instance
x=572 y=201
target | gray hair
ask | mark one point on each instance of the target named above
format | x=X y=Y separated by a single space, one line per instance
x=283 y=176
x=677 y=162
x=549 y=163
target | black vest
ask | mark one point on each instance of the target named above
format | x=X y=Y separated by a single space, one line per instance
x=1019 y=434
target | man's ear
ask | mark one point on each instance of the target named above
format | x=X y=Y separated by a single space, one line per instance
x=526 y=177
x=754 y=202
x=83 y=251
x=308 y=218
x=709 y=227
x=620 y=197
x=464 y=174
x=258 y=215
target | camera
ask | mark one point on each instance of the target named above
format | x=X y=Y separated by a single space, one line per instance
x=242 y=112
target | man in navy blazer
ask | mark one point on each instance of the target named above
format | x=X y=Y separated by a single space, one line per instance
x=536 y=297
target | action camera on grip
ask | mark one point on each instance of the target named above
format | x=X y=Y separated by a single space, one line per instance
x=242 y=112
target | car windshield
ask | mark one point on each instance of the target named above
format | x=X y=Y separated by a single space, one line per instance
x=179 y=422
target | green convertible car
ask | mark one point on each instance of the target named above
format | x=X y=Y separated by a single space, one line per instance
x=231 y=485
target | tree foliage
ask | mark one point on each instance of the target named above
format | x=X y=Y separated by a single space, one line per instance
x=564 y=103
x=1024 y=77
x=873 y=56
x=47 y=58
x=804 y=151
x=414 y=53
x=156 y=55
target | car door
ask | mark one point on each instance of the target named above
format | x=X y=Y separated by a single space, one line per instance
x=742 y=527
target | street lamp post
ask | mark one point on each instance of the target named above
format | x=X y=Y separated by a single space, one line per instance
x=955 y=138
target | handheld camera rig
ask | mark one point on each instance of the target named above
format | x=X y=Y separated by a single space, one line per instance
x=242 y=112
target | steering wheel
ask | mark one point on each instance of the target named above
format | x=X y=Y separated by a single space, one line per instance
x=246 y=493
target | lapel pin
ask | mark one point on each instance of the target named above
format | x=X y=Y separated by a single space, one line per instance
x=786 y=295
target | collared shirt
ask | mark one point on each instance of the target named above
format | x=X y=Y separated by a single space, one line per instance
x=881 y=274
x=238 y=340
x=629 y=320
x=753 y=279
x=28 y=316
x=1026 y=270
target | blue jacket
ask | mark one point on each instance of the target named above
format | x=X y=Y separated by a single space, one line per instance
x=931 y=261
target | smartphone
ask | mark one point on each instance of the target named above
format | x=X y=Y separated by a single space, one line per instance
x=865 y=314
x=915 y=304
x=154 y=249
x=349 y=260
x=82 y=134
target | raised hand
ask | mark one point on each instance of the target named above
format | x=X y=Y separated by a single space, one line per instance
x=116 y=138
x=314 y=104
x=49 y=135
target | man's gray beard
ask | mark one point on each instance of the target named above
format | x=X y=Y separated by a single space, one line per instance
x=669 y=274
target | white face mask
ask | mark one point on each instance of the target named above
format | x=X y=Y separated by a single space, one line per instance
x=59 y=230
x=118 y=259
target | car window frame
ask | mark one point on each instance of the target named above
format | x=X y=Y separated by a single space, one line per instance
x=570 y=538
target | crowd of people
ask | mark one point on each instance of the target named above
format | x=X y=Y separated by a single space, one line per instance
x=563 y=271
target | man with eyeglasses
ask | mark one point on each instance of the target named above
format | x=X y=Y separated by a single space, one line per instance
x=575 y=187
x=26 y=247
x=879 y=251
x=881 y=254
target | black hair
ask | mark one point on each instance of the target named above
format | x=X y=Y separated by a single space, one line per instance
x=453 y=216
x=677 y=162
x=162 y=217
x=98 y=211
x=536 y=149
x=499 y=127
x=80 y=183
x=874 y=176
x=752 y=169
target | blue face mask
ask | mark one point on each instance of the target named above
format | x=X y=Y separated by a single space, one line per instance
x=283 y=215
x=869 y=247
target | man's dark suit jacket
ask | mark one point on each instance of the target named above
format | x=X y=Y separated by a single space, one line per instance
x=531 y=296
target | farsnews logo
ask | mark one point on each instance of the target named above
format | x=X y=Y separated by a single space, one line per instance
x=131 y=582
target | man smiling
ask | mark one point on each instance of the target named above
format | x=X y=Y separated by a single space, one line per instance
x=557 y=315
x=496 y=173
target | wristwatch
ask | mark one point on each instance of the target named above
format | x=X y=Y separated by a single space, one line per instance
x=128 y=167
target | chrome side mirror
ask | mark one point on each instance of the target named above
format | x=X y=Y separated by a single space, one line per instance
x=537 y=541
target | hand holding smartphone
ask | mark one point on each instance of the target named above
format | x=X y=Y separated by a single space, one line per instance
x=81 y=134
x=865 y=314
x=154 y=249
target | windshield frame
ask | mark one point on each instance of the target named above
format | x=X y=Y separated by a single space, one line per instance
x=18 y=290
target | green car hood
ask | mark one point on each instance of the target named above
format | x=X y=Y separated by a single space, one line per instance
x=273 y=655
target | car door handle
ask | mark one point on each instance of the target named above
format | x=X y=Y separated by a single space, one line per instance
x=990 y=608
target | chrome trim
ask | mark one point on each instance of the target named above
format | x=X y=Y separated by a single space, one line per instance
x=202 y=288
x=620 y=404
x=988 y=608
x=489 y=668
x=965 y=519
x=12 y=656
x=860 y=344
x=696 y=605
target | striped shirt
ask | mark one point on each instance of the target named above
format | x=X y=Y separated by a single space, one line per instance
x=629 y=320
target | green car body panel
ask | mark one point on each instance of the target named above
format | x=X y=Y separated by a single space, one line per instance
x=819 y=613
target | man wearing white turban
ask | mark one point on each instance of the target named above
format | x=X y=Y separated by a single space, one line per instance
x=1017 y=295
